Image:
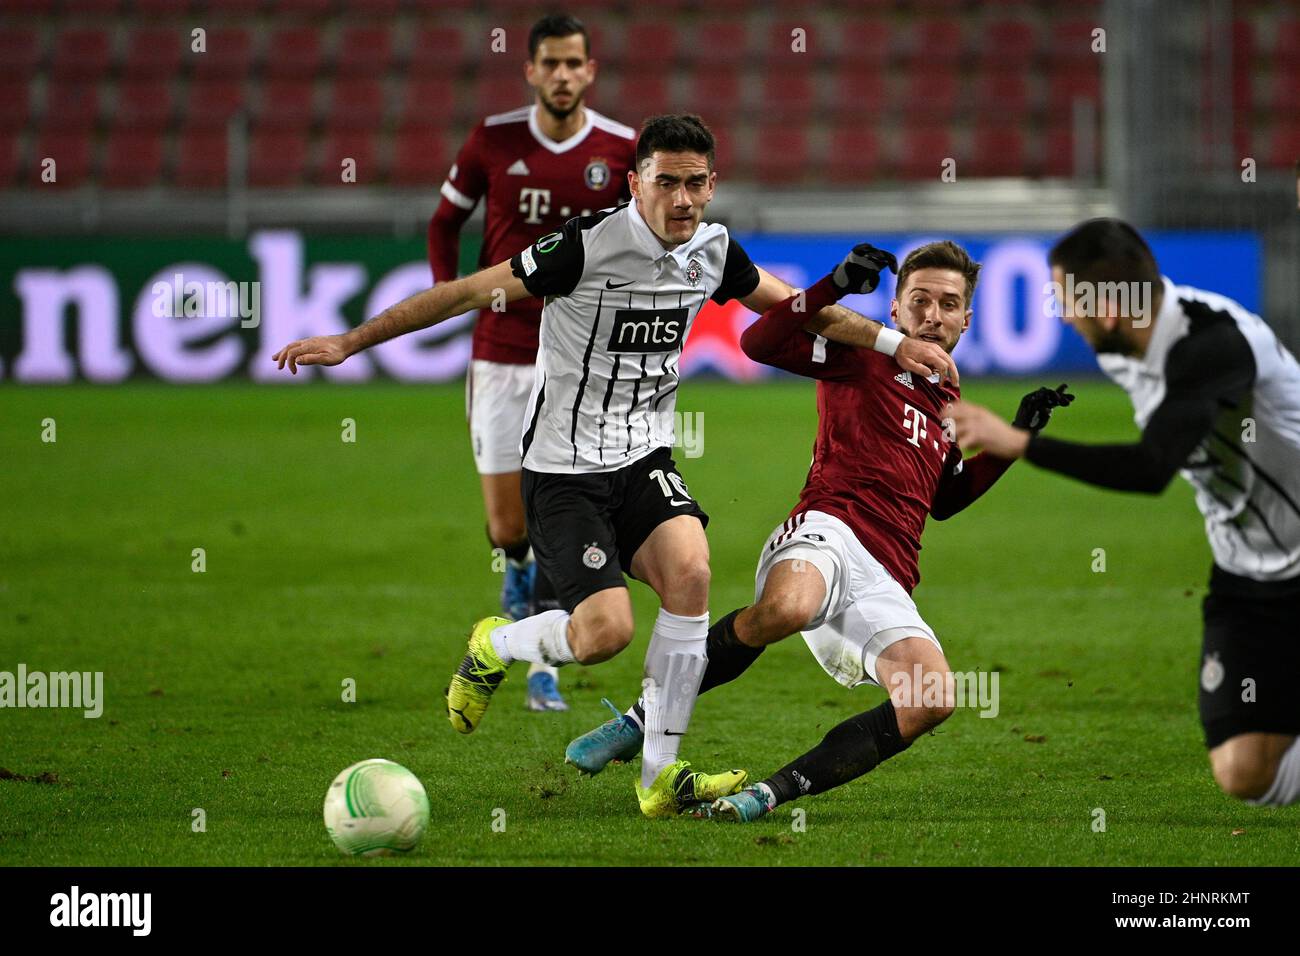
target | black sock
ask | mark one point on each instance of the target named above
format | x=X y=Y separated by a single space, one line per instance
x=515 y=552
x=846 y=752
x=728 y=657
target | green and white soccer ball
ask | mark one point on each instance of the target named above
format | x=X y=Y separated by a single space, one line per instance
x=376 y=808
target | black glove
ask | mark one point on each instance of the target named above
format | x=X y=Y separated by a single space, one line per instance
x=1036 y=407
x=859 y=273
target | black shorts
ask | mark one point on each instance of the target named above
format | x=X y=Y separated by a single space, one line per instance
x=578 y=523
x=1250 y=658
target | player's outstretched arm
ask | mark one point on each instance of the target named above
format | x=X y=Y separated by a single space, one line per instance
x=964 y=482
x=858 y=274
x=493 y=285
x=1175 y=428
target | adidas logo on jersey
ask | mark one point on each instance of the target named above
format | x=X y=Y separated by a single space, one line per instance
x=520 y=168
x=906 y=379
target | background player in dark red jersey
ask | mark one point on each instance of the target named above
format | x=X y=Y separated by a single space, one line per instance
x=537 y=166
x=842 y=566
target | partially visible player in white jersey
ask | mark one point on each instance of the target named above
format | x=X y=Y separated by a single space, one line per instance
x=602 y=495
x=1217 y=397
x=533 y=168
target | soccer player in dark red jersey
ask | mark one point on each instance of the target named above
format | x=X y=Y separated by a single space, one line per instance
x=842 y=566
x=537 y=167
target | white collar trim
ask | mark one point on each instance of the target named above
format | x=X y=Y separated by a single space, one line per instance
x=566 y=145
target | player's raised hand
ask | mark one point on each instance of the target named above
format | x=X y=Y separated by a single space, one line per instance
x=317 y=350
x=1036 y=408
x=926 y=359
x=859 y=273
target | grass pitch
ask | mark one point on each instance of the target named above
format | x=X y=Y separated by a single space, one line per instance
x=328 y=560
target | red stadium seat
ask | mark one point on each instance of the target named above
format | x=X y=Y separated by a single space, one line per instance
x=789 y=96
x=723 y=42
x=71 y=105
x=294 y=52
x=212 y=103
x=437 y=51
x=375 y=9
x=365 y=51
x=287 y=103
x=227 y=54
x=201 y=158
x=355 y=144
x=854 y=155
x=860 y=92
x=1058 y=151
x=866 y=43
x=70 y=150
x=93 y=8
x=277 y=157
x=419 y=157
x=15 y=105
x=144 y=103
x=430 y=100
x=1009 y=44
x=82 y=54
x=782 y=154
x=500 y=94
x=935 y=41
x=924 y=150
x=780 y=49
x=155 y=52
x=20 y=52
x=9 y=159
x=999 y=150
x=716 y=91
x=1285 y=151
x=641 y=95
x=731 y=159
x=1069 y=42
x=357 y=103
x=146 y=9
x=933 y=93
x=1065 y=86
x=1002 y=93
x=312 y=8
x=648 y=45
x=133 y=160
x=1286 y=50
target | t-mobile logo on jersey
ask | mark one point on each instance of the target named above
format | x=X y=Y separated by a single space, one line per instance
x=534 y=203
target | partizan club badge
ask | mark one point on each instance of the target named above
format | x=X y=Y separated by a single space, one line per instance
x=597 y=174
x=694 y=272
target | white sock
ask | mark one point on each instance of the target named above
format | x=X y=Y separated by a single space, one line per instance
x=536 y=668
x=674 y=665
x=542 y=638
x=1285 y=788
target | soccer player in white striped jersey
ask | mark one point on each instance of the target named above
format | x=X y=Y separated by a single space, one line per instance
x=1217 y=397
x=602 y=495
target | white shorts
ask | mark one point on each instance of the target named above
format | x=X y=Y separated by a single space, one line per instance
x=496 y=400
x=865 y=610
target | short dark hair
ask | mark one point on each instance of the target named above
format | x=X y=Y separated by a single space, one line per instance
x=944 y=254
x=1105 y=250
x=674 y=133
x=557 y=25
